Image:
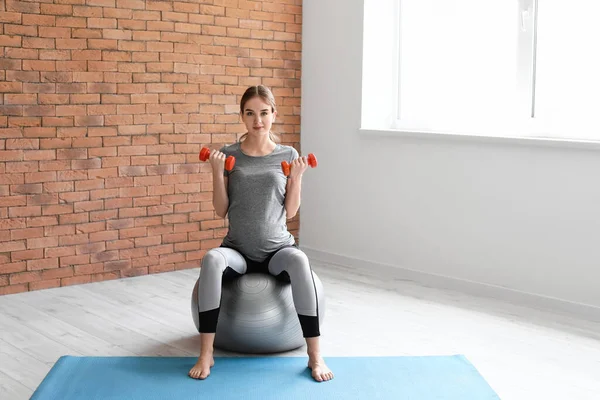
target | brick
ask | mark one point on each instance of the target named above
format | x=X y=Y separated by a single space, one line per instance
x=57 y=230
x=45 y=110
x=103 y=256
x=104 y=236
x=42 y=199
x=39 y=87
x=77 y=280
x=14 y=64
x=13 y=289
x=91 y=248
x=131 y=25
x=42 y=264
x=40 y=177
x=55 y=143
x=41 y=243
x=24 y=277
x=11 y=87
x=71 y=132
x=27 y=189
x=27 y=211
x=45 y=284
x=71 y=22
x=26 y=121
x=88 y=269
x=20 y=99
x=44 y=20
x=74 y=260
x=12 y=201
x=106 y=109
x=104 y=276
x=60 y=272
x=85 y=11
x=54 y=55
x=38 y=43
x=54 y=165
x=103 y=215
x=23 y=76
x=117 y=265
x=10 y=17
x=20 y=30
x=53 y=99
x=8 y=268
x=57 y=9
x=59 y=252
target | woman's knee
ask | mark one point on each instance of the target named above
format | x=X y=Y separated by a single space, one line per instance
x=298 y=264
x=213 y=262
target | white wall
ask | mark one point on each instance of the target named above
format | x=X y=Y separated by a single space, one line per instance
x=519 y=216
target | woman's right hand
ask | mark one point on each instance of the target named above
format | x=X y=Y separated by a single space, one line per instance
x=217 y=161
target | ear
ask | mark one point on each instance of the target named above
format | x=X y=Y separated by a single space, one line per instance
x=274 y=115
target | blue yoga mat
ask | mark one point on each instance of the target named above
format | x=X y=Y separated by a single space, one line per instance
x=248 y=378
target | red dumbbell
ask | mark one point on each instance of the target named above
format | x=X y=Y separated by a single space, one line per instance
x=229 y=161
x=312 y=161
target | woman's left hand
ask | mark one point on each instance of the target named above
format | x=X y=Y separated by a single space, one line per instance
x=297 y=167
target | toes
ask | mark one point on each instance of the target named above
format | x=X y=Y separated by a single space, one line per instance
x=317 y=376
x=198 y=374
x=326 y=376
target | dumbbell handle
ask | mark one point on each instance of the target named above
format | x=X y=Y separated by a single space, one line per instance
x=205 y=154
x=312 y=161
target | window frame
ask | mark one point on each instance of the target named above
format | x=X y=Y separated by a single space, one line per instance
x=523 y=130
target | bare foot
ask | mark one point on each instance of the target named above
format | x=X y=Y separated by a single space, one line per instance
x=202 y=368
x=320 y=371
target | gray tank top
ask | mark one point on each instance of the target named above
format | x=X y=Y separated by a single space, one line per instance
x=256 y=190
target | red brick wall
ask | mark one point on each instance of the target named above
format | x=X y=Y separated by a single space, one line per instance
x=104 y=106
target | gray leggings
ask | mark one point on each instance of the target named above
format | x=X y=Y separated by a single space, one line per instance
x=286 y=263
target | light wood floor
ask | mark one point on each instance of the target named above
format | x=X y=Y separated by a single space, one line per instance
x=521 y=352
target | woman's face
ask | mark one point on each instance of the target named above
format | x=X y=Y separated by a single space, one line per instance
x=257 y=116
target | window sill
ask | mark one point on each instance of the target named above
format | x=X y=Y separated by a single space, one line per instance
x=426 y=134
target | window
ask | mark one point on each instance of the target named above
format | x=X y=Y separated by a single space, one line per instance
x=484 y=67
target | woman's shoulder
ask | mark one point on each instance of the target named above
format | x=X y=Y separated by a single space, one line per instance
x=287 y=150
x=230 y=148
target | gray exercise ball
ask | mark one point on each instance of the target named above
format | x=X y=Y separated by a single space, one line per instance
x=258 y=315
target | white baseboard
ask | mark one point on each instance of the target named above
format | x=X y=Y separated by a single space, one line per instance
x=369 y=268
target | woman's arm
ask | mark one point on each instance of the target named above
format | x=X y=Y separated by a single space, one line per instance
x=293 y=191
x=293 y=188
x=220 y=197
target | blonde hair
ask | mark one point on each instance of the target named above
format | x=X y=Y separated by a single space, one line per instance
x=267 y=96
